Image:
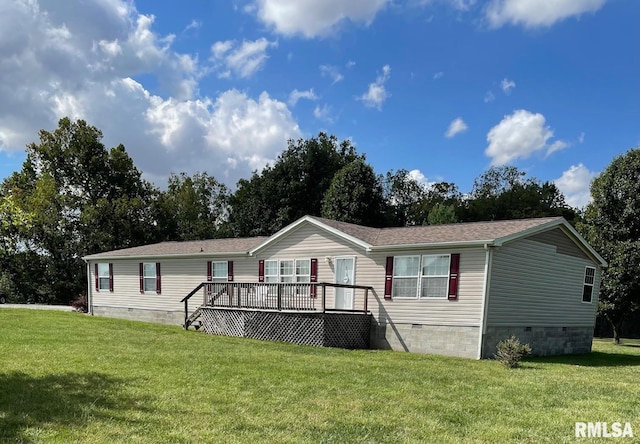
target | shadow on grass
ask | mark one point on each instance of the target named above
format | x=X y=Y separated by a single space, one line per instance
x=593 y=359
x=69 y=400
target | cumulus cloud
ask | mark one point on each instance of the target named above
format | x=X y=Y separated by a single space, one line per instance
x=507 y=85
x=313 y=18
x=575 y=183
x=518 y=136
x=241 y=60
x=535 y=13
x=296 y=95
x=377 y=93
x=82 y=59
x=457 y=126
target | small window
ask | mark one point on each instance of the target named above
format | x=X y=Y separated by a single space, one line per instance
x=286 y=271
x=219 y=271
x=271 y=271
x=149 y=276
x=104 y=277
x=587 y=288
x=303 y=270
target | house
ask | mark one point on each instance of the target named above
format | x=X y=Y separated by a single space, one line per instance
x=453 y=289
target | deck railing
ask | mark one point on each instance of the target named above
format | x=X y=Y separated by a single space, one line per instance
x=280 y=296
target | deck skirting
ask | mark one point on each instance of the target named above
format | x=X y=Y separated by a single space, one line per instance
x=320 y=329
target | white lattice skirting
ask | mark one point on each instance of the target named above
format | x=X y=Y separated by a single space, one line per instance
x=343 y=330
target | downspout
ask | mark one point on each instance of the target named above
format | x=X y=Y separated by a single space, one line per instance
x=89 y=287
x=488 y=258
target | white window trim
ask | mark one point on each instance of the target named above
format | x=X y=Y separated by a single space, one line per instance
x=226 y=271
x=145 y=277
x=294 y=274
x=107 y=277
x=584 y=283
x=419 y=277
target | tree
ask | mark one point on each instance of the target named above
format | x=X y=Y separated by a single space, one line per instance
x=355 y=195
x=82 y=199
x=192 y=207
x=292 y=187
x=442 y=214
x=612 y=227
x=504 y=192
x=405 y=198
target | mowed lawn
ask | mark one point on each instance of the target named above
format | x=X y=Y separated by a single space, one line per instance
x=68 y=377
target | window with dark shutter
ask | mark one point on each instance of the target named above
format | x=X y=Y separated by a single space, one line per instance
x=388 y=279
x=261 y=270
x=314 y=277
x=230 y=271
x=158 y=281
x=96 y=276
x=141 y=277
x=454 y=270
x=111 y=277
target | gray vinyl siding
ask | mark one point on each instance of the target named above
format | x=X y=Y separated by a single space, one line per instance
x=310 y=242
x=562 y=243
x=533 y=284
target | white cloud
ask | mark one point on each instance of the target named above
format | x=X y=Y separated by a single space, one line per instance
x=195 y=24
x=518 y=136
x=419 y=178
x=507 y=85
x=296 y=95
x=377 y=93
x=323 y=113
x=575 y=183
x=456 y=126
x=79 y=60
x=350 y=64
x=438 y=75
x=536 y=13
x=242 y=60
x=489 y=97
x=581 y=138
x=313 y=18
x=332 y=72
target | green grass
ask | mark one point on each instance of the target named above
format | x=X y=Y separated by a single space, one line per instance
x=66 y=377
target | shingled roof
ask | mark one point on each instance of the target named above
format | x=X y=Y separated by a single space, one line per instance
x=208 y=247
x=436 y=234
x=493 y=233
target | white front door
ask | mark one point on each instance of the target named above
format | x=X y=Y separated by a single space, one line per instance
x=345 y=274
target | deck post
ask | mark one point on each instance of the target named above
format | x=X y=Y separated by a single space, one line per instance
x=186 y=313
x=366 y=299
x=279 y=291
x=324 y=297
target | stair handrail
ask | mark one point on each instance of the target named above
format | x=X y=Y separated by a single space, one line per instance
x=186 y=302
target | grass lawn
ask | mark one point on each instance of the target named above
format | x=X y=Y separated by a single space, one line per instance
x=67 y=377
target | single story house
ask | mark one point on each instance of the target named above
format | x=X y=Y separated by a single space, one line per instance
x=454 y=289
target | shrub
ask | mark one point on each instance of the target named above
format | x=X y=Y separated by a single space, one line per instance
x=80 y=304
x=510 y=351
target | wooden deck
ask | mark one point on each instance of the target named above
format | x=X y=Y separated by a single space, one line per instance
x=288 y=312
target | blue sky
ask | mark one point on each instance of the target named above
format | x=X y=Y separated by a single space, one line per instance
x=444 y=88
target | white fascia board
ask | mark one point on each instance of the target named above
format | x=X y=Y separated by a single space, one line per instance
x=164 y=256
x=434 y=245
x=307 y=219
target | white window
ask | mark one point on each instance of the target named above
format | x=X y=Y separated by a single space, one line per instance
x=303 y=270
x=406 y=274
x=587 y=288
x=104 y=277
x=287 y=270
x=435 y=276
x=271 y=271
x=219 y=271
x=149 y=276
x=418 y=277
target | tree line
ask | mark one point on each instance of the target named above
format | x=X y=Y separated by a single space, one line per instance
x=75 y=197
